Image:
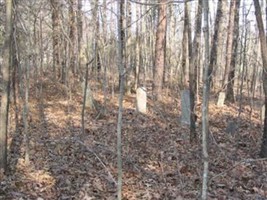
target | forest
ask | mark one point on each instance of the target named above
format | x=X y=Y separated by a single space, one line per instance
x=133 y=99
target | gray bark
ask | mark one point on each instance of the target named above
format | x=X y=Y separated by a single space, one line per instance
x=263 y=152
x=5 y=86
x=121 y=63
x=205 y=103
x=193 y=67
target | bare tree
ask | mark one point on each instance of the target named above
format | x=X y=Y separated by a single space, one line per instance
x=217 y=38
x=205 y=103
x=193 y=68
x=258 y=13
x=137 y=50
x=160 y=47
x=121 y=63
x=129 y=80
x=5 y=86
x=122 y=35
x=186 y=51
x=73 y=35
x=229 y=45
x=98 y=64
x=231 y=74
x=243 y=59
x=79 y=31
x=55 y=4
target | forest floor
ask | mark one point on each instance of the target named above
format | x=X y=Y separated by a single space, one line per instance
x=158 y=160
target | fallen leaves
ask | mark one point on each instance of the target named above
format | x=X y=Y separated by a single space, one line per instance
x=158 y=160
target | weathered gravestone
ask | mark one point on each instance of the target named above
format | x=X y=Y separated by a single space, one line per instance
x=185 y=119
x=89 y=102
x=263 y=113
x=232 y=127
x=221 y=99
x=141 y=100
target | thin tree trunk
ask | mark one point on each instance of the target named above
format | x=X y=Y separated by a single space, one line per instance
x=56 y=36
x=79 y=32
x=129 y=51
x=15 y=69
x=185 y=51
x=26 y=111
x=72 y=36
x=137 y=51
x=105 y=56
x=5 y=86
x=231 y=75
x=263 y=152
x=121 y=63
x=229 y=45
x=244 y=61
x=105 y=85
x=41 y=46
x=205 y=103
x=160 y=50
x=193 y=67
x=122 y=39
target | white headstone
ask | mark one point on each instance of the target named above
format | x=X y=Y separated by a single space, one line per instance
x=263 y=113
x=185 y=107
x=221 y=99
x=89 y=102
x=141 y=100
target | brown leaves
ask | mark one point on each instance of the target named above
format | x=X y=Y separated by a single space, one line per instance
x=158 y=160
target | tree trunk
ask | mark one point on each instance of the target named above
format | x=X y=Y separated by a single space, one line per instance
x=263 y=152
x=15 y=72
x=129 y=50
x=137 y=51
x=105 y=55
x=56 y=36
x=193 y=67
x=5 y=86
x=41 y=46
x=185 y=45
x=244 y=61
x=79 y=32
x=217 y=38
x=73 y=36
x=121 y=63
x=122 y=35
x=160 y=47
x=229 y=45
x=220 y=43
x=231 y=75
x=205 y=103
x=98 y=64
x=26 y=110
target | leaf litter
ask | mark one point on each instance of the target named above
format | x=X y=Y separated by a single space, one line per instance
x=158 y=160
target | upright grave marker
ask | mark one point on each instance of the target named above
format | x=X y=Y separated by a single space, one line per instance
x=185 y=119
x=141 y=100
x=262 y=113
x=221 y=99
x=232 y=127
x=89 y=96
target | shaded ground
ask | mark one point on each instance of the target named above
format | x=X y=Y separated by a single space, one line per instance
x=158 y=160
